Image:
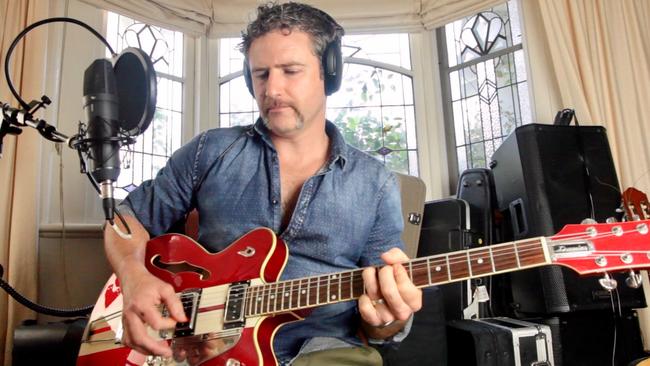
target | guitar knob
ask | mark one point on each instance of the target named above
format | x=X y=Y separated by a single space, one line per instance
x=608 y=283
x=611 y=220
x=588 y=221
x=633 y=280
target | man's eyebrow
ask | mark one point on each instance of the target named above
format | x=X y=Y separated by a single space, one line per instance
x=287 y=64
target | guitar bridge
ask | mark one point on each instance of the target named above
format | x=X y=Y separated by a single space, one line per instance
x=234 y=314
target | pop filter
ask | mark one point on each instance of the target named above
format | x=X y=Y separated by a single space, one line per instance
x=136 y=88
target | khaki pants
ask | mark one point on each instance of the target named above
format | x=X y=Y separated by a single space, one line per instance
x=348 y=356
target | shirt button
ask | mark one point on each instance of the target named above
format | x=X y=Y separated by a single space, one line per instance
x=274 y=201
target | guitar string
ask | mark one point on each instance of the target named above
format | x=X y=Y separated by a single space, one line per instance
x=314 y=282
x=417 y=264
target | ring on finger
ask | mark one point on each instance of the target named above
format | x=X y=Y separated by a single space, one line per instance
x=377 y=302
x=385 y=324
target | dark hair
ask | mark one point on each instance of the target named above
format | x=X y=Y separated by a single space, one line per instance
x=272 y=16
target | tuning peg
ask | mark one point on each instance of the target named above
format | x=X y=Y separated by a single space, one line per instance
x=588 y=221
x=607 y=282
x=633 y=280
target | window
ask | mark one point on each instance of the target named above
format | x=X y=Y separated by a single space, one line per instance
x=374 y=109
x=152 y=148
x=484 y=83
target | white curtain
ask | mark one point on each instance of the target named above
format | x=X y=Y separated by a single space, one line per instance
x=20 y=166
x=226 y=18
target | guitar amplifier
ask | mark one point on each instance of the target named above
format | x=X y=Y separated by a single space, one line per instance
x=499 y=342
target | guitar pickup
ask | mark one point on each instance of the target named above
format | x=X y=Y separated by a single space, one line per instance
x=234 y=314
x=190 y=301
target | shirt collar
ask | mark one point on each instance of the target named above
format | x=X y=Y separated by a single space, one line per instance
x=338 y=146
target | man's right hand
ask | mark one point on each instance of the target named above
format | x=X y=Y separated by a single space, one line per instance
x=143 y=295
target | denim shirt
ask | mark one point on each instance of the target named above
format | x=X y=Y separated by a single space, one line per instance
x=345 y=217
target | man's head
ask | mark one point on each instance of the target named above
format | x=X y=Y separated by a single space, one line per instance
x=324 y=32
x=284 y=50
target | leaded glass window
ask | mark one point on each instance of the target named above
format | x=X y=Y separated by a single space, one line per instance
x=374 y=109
x=152 y=148
x=485 y=83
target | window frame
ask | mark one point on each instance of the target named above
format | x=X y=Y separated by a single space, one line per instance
x=445 y=86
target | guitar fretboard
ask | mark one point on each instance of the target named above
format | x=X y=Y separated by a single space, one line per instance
x=301 y=293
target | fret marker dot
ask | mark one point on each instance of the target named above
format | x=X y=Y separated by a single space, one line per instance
x=438 y=268
x=303 y=292
x=334 y=277
x=480 y=261
x=272 y=297
x=333 y=297
x=259 y=299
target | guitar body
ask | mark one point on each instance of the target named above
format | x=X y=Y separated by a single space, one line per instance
x=256 y=258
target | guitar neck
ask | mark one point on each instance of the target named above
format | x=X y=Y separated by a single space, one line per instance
x=308 y=292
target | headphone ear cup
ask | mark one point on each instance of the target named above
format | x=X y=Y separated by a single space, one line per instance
x=248 y=78
x=333 y=67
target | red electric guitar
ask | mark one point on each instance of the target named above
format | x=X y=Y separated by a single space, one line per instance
x=236 y=304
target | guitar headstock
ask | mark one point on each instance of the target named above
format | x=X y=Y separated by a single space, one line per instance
x=598 y=248
x=635 y=204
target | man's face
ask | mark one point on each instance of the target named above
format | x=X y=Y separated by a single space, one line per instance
x=287 y=82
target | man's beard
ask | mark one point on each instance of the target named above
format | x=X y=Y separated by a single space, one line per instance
x=299 y=122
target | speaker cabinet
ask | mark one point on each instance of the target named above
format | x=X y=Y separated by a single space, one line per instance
x=545 y=177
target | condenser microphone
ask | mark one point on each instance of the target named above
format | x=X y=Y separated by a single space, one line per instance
x=101 y=104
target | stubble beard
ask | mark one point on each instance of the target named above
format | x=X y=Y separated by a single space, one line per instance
x=280 y=128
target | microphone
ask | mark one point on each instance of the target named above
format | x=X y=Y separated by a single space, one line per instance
x=101 y=105
x=120 y=102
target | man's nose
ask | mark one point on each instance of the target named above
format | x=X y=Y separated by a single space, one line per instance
x=274 y=83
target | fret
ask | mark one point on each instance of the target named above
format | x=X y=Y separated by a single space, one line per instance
x=492 y=259
x=411 y=271
x=286 y=297
x=345 y=287
x=448 y=269
x=481 y=263
x=304 y=295
x=309 y=302
x=259 y=300
x=469 y=264
x=329 y=288
x=429 y=270
x=335 y=289
x=249 y=300
x=357 y=285
x=439 y=271
x=532 y=252
x=459 y=267
x=503 y=257
x=291 y=292
x=317 y=291
x=275 y=293
x=323 y=289
x=514 y=244
x=267 y=293
x=340 y=284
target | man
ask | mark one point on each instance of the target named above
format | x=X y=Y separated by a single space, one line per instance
x=335 y=207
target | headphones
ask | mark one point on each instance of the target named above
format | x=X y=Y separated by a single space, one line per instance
x=332 y=62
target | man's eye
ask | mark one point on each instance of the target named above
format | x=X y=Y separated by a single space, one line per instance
x=261 y=75
x=291 y=71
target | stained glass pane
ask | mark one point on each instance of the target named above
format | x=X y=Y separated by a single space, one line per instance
x=489 y=96
x=152 y=148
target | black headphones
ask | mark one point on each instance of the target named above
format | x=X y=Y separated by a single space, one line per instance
x=332 y=62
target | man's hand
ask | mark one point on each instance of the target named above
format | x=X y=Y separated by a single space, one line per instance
x=143 y=295
x=390 y=298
